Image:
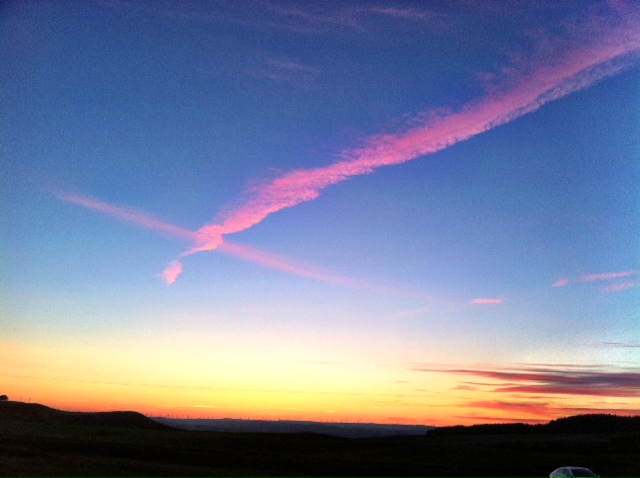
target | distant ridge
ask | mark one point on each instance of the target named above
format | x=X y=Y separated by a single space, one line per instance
x=344 y=430
x=36 y=413
x=11 y=411
x=590 y=423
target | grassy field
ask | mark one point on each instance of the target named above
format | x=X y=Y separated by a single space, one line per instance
x=90 y=446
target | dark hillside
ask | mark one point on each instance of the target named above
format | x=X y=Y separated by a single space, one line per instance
x=36 y=413
x=40 y=441
x=594 y=423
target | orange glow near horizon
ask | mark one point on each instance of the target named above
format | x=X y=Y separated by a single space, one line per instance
x=77 y=379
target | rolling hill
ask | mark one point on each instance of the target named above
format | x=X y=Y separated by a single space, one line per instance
x=36 y=413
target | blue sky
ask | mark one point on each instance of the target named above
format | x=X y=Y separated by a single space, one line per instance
x=370 y=196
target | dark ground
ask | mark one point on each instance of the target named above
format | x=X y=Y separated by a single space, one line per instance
x=39 y=441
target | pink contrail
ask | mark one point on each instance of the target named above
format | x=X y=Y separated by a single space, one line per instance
x=285 y=264
x=129 y=215
x=311 y=271
x=589 y=58
x=239 y=251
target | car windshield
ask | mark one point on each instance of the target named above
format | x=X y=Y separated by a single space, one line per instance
x=582 y=472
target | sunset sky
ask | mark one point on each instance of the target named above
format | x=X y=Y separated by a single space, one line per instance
x=381 y=211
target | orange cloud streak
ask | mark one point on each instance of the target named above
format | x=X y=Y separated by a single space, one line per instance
x=540 y=409
x=554 y=380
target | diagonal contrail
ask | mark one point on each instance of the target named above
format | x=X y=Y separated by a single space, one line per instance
x=249 y=254
x=587 y=58
x=130 y=215
x=239 y=251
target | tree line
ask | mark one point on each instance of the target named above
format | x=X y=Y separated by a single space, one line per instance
x=592 y=423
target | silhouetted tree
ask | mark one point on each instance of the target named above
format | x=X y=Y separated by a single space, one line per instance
x=4 y=398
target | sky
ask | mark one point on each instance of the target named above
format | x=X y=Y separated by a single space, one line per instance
x=356 y=211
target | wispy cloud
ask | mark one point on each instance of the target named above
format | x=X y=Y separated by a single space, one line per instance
x=171 y=273
x=620 y=286
x=486 y=301
x=561 y=282
x=619 y=345
x=313 y=18
x=421 y=16
x=408 y=13
x=605 y=277
x=329 y=17
x=609 y=276
x=290 y=72
x=310 y=18
x=590 y=59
